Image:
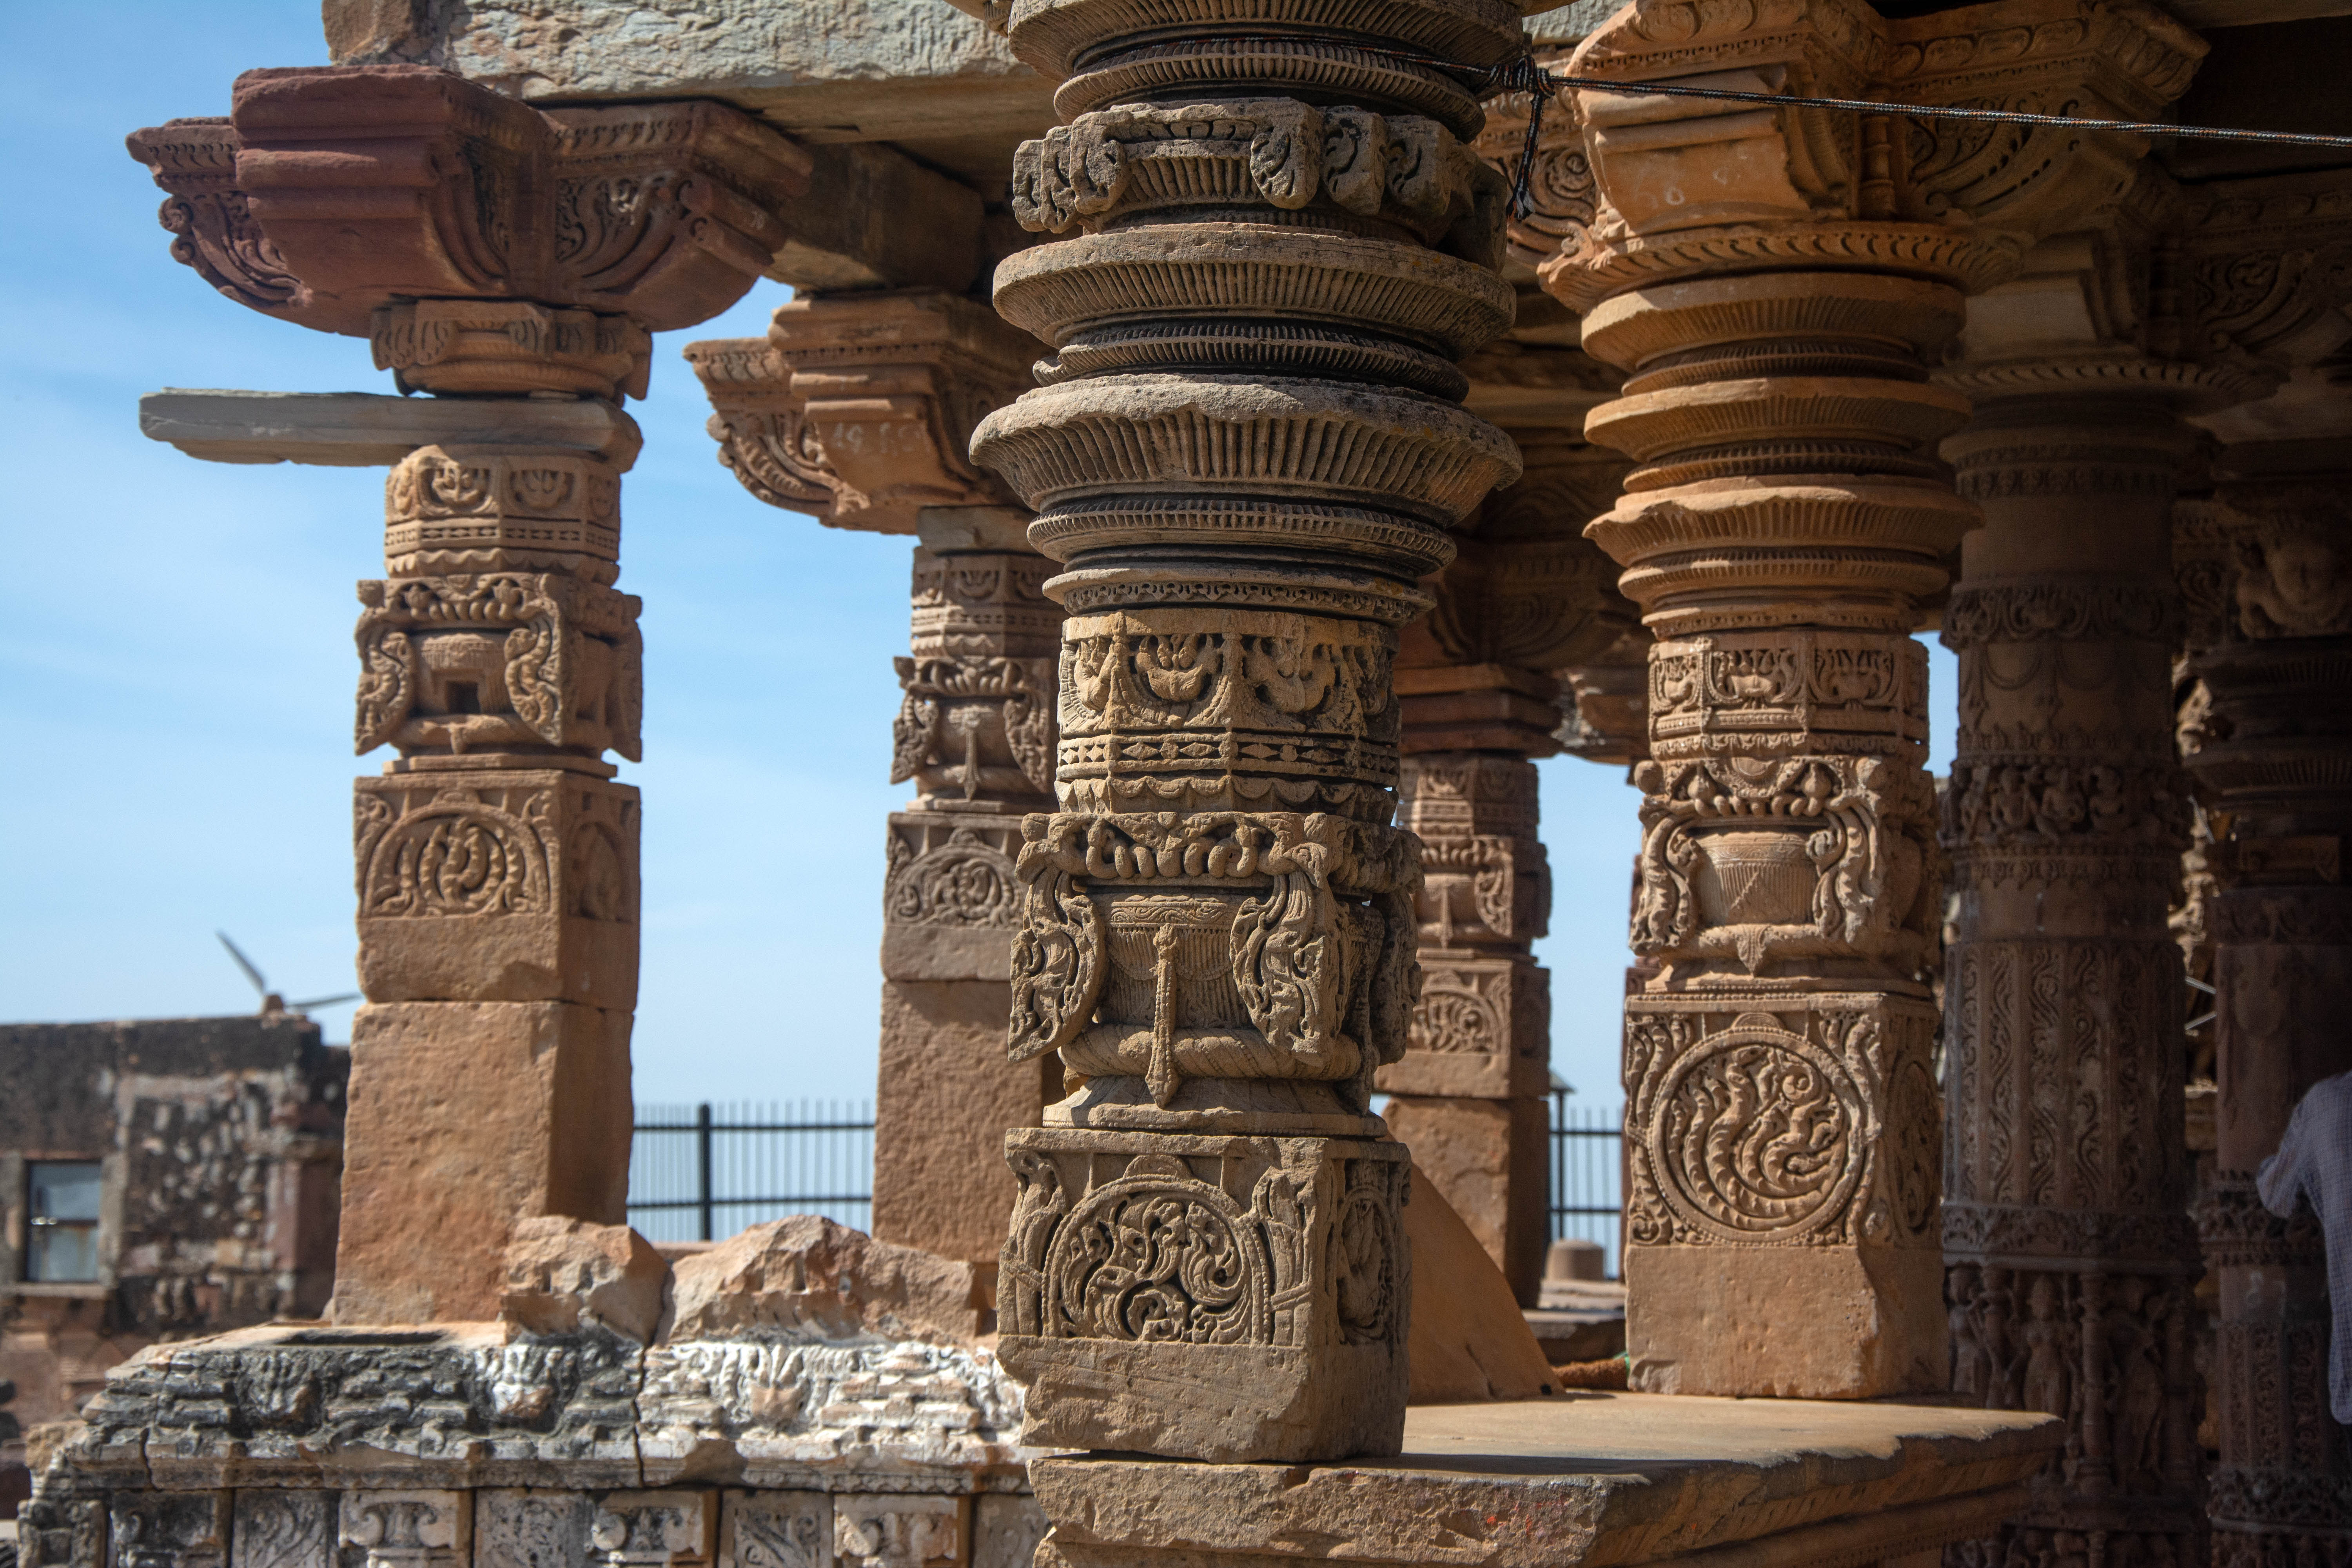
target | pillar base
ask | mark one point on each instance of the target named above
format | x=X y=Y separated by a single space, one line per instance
x=946 y=1094
x=465 y=1118
x=1785 y=1322
x=1230 y=1300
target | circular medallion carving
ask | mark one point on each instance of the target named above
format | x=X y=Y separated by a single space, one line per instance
x=1757 y=1135
x=1157 y=1260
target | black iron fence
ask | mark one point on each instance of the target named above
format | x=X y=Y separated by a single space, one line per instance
x=702 y=1172
x=1588 y=1174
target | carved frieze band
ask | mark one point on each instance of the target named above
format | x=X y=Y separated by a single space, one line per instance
x=2029 y=822
x=1770 y=691
x=467 y=508
x=1194 y=709
x=2110 y=1350
x=680 y=1527
x=2062 y=612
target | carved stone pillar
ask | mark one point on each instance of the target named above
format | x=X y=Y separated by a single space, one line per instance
x=1778 y=282
x=1246 y=454
x=2071 y=1264
x=2265 y=275
x=2276 y=770
x=495 y=253
x=1528 y=595
x=860 y=407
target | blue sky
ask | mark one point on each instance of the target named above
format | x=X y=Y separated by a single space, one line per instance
x=177 y=668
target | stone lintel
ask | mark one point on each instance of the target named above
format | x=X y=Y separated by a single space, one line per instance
x=2247 y=13
x=367 y=429
x=1601 y=1479
x=830 y=71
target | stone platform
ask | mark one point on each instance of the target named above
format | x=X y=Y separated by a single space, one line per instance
x=1581 y=1479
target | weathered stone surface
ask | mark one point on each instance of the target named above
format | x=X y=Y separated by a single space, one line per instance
x=366 y=429
x=563 y=1274
x=772 y=1412
x=806 y=1279
x=944 y=1096
x=1005 y=1530
x=1603 y=1478
x=1466 y=1340
x=446 y=1406
x=909 y=71
x=467 y=1118
x=1796 y=1323
x=1491 y=1160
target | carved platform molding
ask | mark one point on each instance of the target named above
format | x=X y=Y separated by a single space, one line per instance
x=1777 y=284
x=1246 y=455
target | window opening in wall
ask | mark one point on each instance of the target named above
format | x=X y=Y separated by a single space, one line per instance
x=64 y=1242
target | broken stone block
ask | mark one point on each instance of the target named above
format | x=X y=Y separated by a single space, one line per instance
x=466 y=1119
x=804 y=1277
x=1467 y=1339
x=562 y=1274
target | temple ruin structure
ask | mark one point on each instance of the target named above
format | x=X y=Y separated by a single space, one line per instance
x=1302 y=423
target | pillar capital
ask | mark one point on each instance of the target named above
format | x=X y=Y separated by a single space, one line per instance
x=1688 y=188
x=860 y=407
x=451 y=225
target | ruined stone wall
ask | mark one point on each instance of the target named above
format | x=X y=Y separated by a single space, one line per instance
x=219 y=1141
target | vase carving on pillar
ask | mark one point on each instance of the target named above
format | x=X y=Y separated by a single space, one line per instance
x=859 y=408
x=1777 y=284
x=1247 y=453
x=1527 y=596
x=520 y=259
